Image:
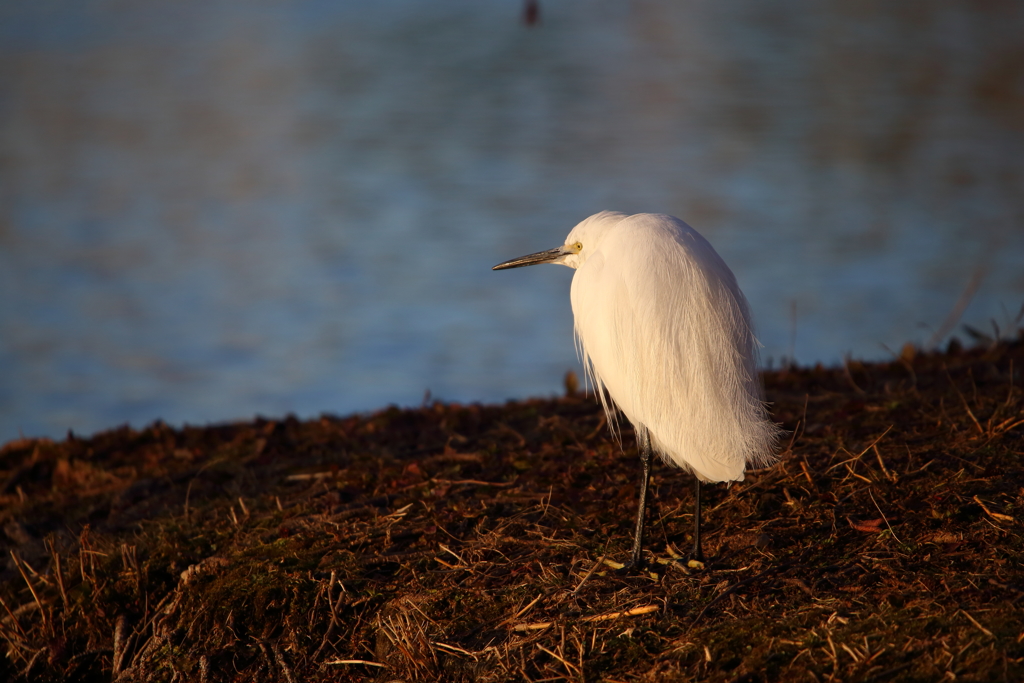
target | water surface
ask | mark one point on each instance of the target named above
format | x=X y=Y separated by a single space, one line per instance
x=215 y=210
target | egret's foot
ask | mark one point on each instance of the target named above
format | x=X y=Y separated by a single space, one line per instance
x=696 y=560
x=632 y=566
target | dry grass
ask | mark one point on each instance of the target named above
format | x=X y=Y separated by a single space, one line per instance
x=474 y=543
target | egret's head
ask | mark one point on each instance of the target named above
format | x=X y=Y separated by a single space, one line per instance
x=582 y=240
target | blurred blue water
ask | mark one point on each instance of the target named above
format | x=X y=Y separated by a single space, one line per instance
x=214 y=210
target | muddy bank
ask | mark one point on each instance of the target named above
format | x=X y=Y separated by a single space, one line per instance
x=465 y=542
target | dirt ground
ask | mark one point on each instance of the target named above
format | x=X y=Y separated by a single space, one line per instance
x=479 y=543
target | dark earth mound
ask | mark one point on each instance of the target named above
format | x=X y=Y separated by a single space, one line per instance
x=465 y=542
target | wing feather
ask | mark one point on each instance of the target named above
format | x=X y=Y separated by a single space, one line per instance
x=665 y=330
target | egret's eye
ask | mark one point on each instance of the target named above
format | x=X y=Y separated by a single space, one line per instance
x=578 y=247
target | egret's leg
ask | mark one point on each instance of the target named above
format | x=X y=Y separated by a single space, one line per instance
x=698 y=554
x=644 y=442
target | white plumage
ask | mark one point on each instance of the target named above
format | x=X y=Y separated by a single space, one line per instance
x=664 y=331
x=664 y=328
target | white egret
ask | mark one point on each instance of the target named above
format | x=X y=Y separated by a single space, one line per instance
x=664 y=332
